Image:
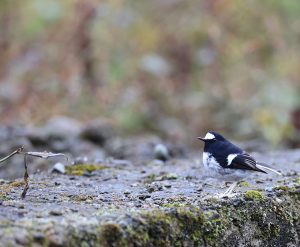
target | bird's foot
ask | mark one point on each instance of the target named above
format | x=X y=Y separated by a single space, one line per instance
x=229 y=192
x=225 y=195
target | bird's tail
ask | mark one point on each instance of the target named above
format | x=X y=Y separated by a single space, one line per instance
x=266 y=167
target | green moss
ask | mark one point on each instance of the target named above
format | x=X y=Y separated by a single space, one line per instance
x=82 y=198
x=244 y=184
x=80 y=169
x=153 y=177
x=150 y=178
x=169 y=227
x=7 y=187
x=3 y=196
x=18 y=183
x=111 y=234
x=169 y=176
x=214 y=227
x=212 y=200
x=295 y=193
x=180 y=222
x=284 y=188
x=254 y=195
x=172 y=205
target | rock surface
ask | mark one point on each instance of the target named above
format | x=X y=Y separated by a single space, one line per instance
x=122 y=203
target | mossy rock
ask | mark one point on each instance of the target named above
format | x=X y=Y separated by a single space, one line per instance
x=6 y=188
x=263 y=222
x=257 y=221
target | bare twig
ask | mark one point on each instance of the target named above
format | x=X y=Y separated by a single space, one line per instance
x=17 y=151
x=44 y=155
x=26 y=176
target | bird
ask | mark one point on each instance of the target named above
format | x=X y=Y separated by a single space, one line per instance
x=226 y=161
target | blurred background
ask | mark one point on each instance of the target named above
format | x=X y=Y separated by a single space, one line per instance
x=175 y=68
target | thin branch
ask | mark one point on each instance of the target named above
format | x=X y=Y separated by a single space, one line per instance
x=26 y=176
x=18 y=151
x=46 y=155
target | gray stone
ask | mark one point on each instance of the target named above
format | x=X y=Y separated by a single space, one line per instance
x=269 y=189
x=55 y=213
x=98 y=131
x=62 y=127
x=135 y=149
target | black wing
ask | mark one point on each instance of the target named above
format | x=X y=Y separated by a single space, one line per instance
x=244 y=161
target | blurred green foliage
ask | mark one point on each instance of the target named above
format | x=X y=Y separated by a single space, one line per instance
x=175 y=67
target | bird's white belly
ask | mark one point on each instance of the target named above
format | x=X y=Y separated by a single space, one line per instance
x=210 y=163
x=214 y=169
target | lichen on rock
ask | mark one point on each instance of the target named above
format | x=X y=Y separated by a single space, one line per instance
x=80 y=169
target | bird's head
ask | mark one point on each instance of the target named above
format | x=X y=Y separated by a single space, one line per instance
x=211 y=136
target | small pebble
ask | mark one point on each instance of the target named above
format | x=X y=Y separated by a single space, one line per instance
x=59 y=168
x=39 y=237
x=200 y=189
x=55 y=213
x=144 y=197
x=167 y=186
x=259 y=182
x=269 y=189
x=161 y=152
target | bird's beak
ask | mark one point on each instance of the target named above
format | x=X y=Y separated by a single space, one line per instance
x=201 y=138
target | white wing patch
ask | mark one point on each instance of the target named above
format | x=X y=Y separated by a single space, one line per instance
x=230 y=157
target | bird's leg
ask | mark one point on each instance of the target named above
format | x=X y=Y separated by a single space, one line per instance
x=229 y=191
x=209 y=182
x=231 y=188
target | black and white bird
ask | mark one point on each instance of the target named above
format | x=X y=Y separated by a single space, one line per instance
x=224 y=160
